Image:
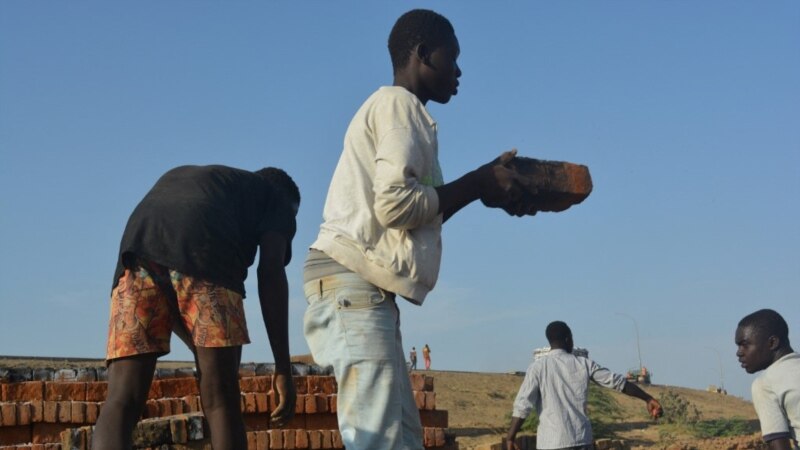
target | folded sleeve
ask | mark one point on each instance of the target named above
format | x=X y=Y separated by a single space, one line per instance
x=528 y=394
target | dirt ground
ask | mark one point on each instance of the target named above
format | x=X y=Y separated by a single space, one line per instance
x=479 y=404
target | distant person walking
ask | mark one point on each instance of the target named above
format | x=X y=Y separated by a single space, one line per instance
x=426 y=355
x=762 y=343
x=413 y=358
x=557 y=385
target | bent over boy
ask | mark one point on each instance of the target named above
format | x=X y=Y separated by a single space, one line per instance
x=182 y=264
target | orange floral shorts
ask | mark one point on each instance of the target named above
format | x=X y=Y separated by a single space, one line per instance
x=148 y=297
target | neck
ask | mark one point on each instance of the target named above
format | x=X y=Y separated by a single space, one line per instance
x=411 y=84
x=780 y=353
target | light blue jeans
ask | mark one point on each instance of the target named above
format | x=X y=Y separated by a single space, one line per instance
x=354 y=326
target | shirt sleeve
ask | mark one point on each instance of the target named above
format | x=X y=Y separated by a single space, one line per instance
x=401 y=199
x=774 y=424
x=528 y=394
x=605 y=377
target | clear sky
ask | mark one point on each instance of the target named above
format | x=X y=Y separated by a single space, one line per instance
x=687 y=114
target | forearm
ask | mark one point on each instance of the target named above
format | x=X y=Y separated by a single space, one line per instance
x=516 y=424
x=635 y=391
x=779 y=444
x=273 y=293
x=457 y=194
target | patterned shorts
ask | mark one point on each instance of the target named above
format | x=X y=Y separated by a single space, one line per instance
x=142 y=305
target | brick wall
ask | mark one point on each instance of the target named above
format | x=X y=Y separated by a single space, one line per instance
x=56 y=409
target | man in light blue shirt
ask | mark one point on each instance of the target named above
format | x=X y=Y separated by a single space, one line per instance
x=557 y=385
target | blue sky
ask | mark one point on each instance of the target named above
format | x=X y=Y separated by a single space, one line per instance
x=687 y=114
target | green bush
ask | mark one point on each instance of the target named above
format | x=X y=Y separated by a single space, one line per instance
x=722 y=428
x=683 y=417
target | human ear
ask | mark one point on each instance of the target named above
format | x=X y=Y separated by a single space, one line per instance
x=774 y=342
x=423 y=53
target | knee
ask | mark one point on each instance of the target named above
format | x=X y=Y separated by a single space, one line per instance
x=219 y=391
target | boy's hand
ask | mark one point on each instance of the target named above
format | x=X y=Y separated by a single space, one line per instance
x=654 y=408
x=287 y=397
x=498 y=182
x=510 y=444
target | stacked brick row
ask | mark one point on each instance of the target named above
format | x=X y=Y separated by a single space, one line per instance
x=59 y=410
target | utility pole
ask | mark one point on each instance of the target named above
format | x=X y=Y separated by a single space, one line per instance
x=638 y=348
x=721 y=375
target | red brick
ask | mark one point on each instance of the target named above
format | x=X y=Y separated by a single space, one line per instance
x=8 y=414
x=262 y=440
x=419 y=399
x=259 y=383
x=177 y=387
x=553 y=185
x=155 y=391
x=310 y=404
x=177 y=406
x=22 y=392
x=288 y=439
x=333 y=403
x=329 y=385
x=417 y=381
x=430 y=400
x=438 y=437
x=314 y=384
x=262 y=402
x=96 y=391
x=250 y=403
x=164 y=407
x=301 y=439
x=322 y=402
x=314 y=439
x=50 y=412
x=300 y=404
x=434 y=418
x=191 y=403
x=252 y=440
x=337 y=439
x=19 y=434
x=78 y=412
x=65 y=411
x=57 y=391
x=37 y=411
x=427 y=383
x=151 y=408
x=276 y=439
x=300 y=384
x=23 y=413
x=92 y=411
x=45 y=433
x=428 y=438
x=327 y=438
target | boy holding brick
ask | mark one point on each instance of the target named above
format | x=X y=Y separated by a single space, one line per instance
x=381 y=234
x=182 y=264
x=762 y=343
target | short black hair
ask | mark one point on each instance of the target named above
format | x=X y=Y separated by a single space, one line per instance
x=281 y=180
x=557 y=331
x=766 y=323
x=415 y=27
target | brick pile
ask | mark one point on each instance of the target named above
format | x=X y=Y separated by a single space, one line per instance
x=56 y=409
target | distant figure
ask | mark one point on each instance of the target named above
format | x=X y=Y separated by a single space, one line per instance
x=181 y=267
x=426 y=355
x=413 y=358
x=762 y=342
x=558 y=387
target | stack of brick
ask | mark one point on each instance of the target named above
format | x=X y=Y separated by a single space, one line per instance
x=58 y=412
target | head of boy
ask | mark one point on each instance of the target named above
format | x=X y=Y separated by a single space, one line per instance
x=283 y=184
x=761 y=339
x=559 y=336
x=424 y=49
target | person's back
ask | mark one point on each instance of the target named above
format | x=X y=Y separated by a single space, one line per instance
x=557 y=386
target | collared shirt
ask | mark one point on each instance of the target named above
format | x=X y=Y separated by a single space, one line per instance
x=557 y=385
x=776 y=398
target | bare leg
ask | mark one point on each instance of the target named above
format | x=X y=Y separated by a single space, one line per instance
x=128 y=384
x=218 y=369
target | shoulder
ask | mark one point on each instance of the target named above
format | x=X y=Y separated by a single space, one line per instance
x=398 y=106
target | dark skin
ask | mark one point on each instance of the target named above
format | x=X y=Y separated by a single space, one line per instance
x=432 y=74
x=218 y=370
x=756 y=351
x=653 y=406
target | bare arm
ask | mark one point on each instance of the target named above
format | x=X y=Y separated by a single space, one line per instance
x=273 y=294
x=653 y=406
x=492 y=182
x=516 y=424
x=780 y=444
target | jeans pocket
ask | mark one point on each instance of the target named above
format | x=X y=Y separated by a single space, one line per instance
x=358 y=298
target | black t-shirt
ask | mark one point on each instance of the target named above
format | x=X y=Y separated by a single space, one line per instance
x=206 y=222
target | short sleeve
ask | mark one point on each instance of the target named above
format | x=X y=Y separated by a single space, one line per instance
x=774 y=424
